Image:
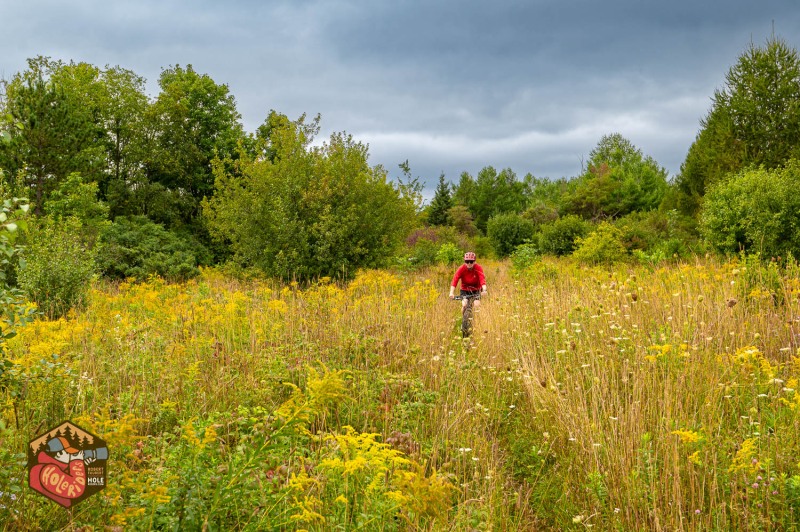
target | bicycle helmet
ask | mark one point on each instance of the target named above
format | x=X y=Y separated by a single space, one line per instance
x=469 y=255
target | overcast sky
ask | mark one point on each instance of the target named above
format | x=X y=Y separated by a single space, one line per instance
x=450 y=85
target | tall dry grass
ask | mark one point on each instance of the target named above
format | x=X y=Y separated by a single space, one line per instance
x=624 y=398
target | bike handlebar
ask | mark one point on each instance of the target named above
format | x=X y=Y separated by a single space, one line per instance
x=458 y=298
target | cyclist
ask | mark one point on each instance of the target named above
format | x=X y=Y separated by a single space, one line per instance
x=473 y=282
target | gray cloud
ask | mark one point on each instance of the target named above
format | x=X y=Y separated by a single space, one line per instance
x=450 y=86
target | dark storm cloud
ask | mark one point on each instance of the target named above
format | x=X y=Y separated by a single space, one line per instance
x=448 y=85
x=525 y=79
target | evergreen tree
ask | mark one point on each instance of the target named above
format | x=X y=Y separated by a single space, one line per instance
x=50 y=133
x=754 y=121
x=440 y=205
x=462 y=195
x=619 y=180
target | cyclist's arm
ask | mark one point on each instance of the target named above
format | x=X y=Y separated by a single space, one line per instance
x=481 y=278
x=456 y=277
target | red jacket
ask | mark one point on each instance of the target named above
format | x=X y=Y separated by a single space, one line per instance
x=50 y=478
x=471 y=279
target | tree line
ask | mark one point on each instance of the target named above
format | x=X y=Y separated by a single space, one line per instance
x=737 y=189
x=131 y=185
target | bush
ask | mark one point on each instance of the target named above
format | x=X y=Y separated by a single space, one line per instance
x=59 y=267
x=482 y=246
x=642 y=230
x=507 y=231
x=423 y=253
x=656 y=232
x=134 y=246
x=525 y=256
x=558 y=237
x=755 y=210
x=541 y=213
x=603 y=246
x=77 y=198
x=462 y=220
x=449 y=254
x=424 y=247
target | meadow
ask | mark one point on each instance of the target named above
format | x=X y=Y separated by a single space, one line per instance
x=631 y=397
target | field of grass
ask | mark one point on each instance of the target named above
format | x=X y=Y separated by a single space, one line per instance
x=630 y=398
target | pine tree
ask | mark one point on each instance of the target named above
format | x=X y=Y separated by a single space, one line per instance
x=440 y=205
x=754 y=121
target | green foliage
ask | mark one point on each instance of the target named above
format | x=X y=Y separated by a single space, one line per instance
x=423 y=246
x=540 y=213
x=756 y=211
x=619 y=180
x=482 y=246
x=544 y=191
x=441 y=204
x=51 y=132
x=558 y=237
x=77 y=198
x=525 y=256
x=198 y=121
x=449 y=253
x=754 y=120
x=59 y=267
x=134 y=246
x=507 y=231
x=424 y=253
x=409 y=186
x=602 y=246
x=792 y=485
x=464 y=190
x=13 y=310
x=491 y=193
x=313 y=212
x=643 y=230
x=460 y=217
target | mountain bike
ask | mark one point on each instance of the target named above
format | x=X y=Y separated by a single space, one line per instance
x=467 y=313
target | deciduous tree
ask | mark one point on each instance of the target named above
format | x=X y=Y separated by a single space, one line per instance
x=310 y=211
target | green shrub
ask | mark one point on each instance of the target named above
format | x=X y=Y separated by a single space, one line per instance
x=603 y=246
x=507 y=231
x=482 y=246
x=756 y=210
x=462 y=220
x=558 y=237
x=13 y=311
x=77 y=198
x=525 y=256
x=541 y=213
x=59 y=267
x=423 y=246
x=134 y=246
x=423 y=253
x=671 y=248
x=642 y=230
x=449 y=254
